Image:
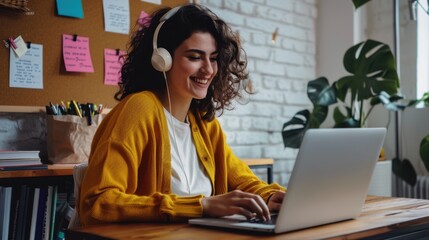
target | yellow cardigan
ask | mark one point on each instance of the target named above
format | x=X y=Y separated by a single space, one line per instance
x=129 y=172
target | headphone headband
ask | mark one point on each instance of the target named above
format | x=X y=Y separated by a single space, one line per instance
x=161 y=58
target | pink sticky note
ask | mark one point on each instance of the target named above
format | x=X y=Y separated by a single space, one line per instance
x=112 y=66
x=144 y=19
x=77 y=57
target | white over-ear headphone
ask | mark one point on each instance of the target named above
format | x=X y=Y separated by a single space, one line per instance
x=161 y=59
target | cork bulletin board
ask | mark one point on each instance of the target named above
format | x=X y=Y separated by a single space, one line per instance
x=46 y=27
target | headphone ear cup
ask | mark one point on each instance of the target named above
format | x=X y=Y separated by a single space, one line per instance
x=161 y=60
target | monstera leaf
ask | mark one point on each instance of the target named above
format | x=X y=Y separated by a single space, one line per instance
x=373 y=70
x=424 y=151
x=321 y=94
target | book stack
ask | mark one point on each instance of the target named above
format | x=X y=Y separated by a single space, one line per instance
x=20 y=160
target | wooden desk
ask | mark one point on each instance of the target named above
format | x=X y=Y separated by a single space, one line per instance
x=261 y=163
x=381 y=218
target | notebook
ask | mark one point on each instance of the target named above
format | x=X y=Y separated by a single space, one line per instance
x=329 y=181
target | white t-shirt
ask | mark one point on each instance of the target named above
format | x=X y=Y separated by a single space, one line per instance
x=188 y=176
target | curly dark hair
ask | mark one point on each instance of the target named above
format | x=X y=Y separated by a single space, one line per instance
x=138 y=75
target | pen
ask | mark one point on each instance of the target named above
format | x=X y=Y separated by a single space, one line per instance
x=54 y=110
x=76 y=108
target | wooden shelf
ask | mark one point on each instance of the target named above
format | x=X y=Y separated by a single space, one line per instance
x=53 y=170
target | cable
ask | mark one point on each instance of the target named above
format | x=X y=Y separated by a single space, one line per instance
x=174 y=134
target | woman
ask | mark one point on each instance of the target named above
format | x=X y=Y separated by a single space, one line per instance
x=160 y=154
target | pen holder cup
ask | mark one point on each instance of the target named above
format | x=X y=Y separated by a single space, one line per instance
x=69 y=138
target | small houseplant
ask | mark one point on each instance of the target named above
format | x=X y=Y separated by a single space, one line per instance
x=373 y=80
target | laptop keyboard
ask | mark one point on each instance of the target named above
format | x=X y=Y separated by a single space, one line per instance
x=260 y=221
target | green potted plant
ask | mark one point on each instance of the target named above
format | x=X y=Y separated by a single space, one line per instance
x=373 y=80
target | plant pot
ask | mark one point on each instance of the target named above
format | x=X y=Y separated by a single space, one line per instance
x=381 y=181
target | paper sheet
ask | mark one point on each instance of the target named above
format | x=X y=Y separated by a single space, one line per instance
x=116 y=16
x=70 y=8
x=112 y=66
x=27 y=71
x=77 y=57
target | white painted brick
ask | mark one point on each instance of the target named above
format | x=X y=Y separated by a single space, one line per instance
x=262 y=24
x=251 y=138
x=293 y=32
x=247 y=151
x=302 y=8
x=244 y=33
x=243 y=109
x=290 y=110
x=261 y=38
x=268 y=95
x=270 y=68
x=230 y=16
x=277 y=15
x=311 y=36
x=286 y=56
x=281 y=4
x=286 y=43
x=309 y=60
x=270 y=82
x=283 y=166
x=304 y=22
x=297 y=98
x=299 y=85
x=259 y=52
x=267 y=109
x=299 y=46
x=230 y=137
x=284 y=84
x=311 y=2
x=275 y=138
x=276 y=124
x=246 y=123
x=231 y=5
x=300 y=72
x=231 y=122
x=311 y=48
x=261 y=124
x=278 y=151
x=247 y=8
x=251 y=65
x=213 y=3
x=257 y=80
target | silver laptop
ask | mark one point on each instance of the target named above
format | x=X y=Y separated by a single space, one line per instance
x=329 y=181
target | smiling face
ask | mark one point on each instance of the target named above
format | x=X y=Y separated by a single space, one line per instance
x=194 y=67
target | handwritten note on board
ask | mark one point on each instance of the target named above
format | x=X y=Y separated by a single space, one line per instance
x=112 y=66
x=77 y=57
x=116 y=16
x=27 y=71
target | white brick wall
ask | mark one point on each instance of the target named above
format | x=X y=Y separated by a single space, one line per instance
x=279 y=72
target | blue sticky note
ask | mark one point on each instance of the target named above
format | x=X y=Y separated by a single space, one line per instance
x=70 y=8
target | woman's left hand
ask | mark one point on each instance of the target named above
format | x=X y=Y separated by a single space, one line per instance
x=275 y=201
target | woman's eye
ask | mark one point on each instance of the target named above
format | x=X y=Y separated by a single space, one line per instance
x=213 y=59
x=194 y=57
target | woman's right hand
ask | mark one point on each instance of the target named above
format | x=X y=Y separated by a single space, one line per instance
x=236 y=202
